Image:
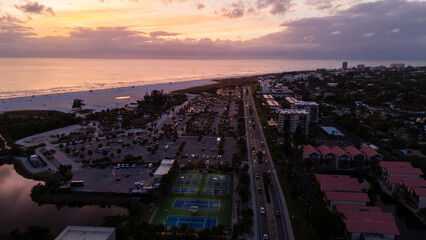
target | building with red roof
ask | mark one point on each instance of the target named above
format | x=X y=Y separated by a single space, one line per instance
x=371 y=154
x=342 y=157
x=357 y=208
x=395 y=164
x=325 y=177
x=357 y=157
x=412 y=182
x=328 y=156
x=417 y=198
x=403 y=172
x=392 y=183
x=311 y=153
x=399 y=169
x=370 y=225
x=337 y=198
x=338 y=183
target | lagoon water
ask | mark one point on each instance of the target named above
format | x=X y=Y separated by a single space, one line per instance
x=20 y=77
x=19 y=211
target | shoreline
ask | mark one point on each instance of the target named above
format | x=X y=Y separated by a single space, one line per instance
x=109 y=98
x=97 y=100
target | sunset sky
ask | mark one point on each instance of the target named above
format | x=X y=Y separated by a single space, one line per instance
x=390 y=29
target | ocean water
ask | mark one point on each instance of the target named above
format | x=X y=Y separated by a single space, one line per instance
x=20 y=77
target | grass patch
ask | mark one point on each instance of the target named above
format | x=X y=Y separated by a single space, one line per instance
x=299 y=217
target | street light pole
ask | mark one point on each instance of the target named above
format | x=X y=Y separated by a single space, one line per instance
x=215 y=178
x=183 y=181
x=208 y=219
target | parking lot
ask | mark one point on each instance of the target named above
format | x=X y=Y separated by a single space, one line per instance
x=106 y=180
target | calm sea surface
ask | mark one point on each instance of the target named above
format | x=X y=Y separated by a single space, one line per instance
x=19 y=211
x=37 y=76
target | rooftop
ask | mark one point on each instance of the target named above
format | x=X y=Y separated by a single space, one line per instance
x=357 y=208
x=347 y=196
x=294 y=111
x=309 y=149
x=393 y=164
x=420 y=191
x=267 y=96
x=352 y=151
x=332 y=131
x=325 y=150
x=413 y=182
x=369 y=151
x=340 y=184
x=338 y=151
x=273 y=103
x=404 y=171
x=325 y=177
x=371 y=227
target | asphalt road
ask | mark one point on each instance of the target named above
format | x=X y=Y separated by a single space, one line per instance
x=276 y=227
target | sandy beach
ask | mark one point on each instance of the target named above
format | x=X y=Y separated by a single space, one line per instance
x=96 y=99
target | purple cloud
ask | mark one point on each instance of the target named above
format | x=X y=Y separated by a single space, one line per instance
x=200 y=6
x=321 y=4
x=397 y=27
x=35 y=8
x=157 y=34
x=234 y=10
x=275 y=6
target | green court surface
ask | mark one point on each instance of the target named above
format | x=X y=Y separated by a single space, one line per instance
x=180 y=197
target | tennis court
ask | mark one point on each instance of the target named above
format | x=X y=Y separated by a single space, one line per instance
x=194 y=222
x=190 y=176
x=218 y=191
x=219 y=177
x=218 y=184
x=193 y=183
x=202 y=204
x=184 y=190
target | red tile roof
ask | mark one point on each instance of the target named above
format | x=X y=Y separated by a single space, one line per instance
x=373 y=221
x=353 y=151
x=368 y=216
x=394 y=179
x=339 y=184
x=394 y=164
x=309 y=149
x=404 y=171
x=369 y=152
x=325 y=177
x=347 y=196
x=372 y=227
x=338 y=151
x=414 y=182
x=325 y=150
x=420 y=192
x=358 y=208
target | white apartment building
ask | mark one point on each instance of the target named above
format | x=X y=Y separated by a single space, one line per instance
x=311 y=107
x=292 y=118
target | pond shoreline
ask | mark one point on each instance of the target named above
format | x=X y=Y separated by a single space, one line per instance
x=134 y=208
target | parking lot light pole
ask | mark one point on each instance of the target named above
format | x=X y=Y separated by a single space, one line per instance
x=215 y=178
x=208 y=219
x=183 y=181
